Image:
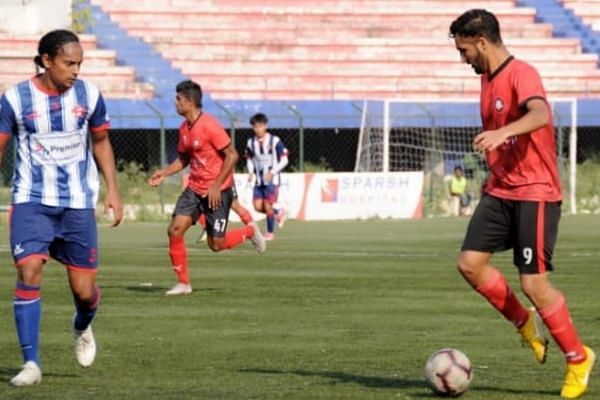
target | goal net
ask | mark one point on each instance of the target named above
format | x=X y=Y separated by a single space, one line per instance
x=435 y=136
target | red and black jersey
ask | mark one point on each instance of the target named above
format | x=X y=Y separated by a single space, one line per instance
x=525 y=166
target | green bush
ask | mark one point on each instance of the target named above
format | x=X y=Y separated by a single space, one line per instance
x=81 y=16
x=142 y=201
x=588 y=193
x=321 y=166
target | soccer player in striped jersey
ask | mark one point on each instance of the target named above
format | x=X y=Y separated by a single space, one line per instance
x=206 y=147
x=55 y=190
x=266 y=157
x=520 y=206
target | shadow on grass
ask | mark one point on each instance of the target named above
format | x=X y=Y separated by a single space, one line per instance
x=394 y=383
x=8 y=373
x=483 y=389
x=344 y=377
x=162 y=289
x=146 y=289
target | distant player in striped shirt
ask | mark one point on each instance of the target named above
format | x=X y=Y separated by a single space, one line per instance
x=55 y=190
x=266 y=157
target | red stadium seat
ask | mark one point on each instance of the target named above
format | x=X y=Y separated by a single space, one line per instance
x=16 y=64
x=342 y=49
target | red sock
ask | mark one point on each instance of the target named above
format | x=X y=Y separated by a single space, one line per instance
x=235 y=237
x=501 y=296
x=245 y=217
x=558 y=320
x=202 y=221
x=178 y=254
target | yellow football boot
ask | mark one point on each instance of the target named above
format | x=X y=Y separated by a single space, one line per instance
x=531 y=336
x=576 y=379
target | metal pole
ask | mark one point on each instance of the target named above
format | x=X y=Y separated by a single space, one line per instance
x=298 y=115
x=573 y=158
x=163 y=151
x=232 y=120
x=386 y=136
x=361 y=133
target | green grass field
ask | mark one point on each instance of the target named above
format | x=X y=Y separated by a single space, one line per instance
x=347 y=310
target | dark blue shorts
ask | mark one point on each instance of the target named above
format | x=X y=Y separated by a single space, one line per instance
x=266 y=192
x=66 y=234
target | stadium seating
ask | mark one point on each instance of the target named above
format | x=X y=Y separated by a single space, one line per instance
x=16 y=64
x=342 y=49
x=587 y=10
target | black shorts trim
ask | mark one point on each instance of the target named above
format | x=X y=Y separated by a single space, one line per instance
x=530 y=228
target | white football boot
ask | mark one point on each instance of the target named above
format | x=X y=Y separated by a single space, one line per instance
x=85 y=346
x=258 y=239
x=31 y=374
x=179 y=289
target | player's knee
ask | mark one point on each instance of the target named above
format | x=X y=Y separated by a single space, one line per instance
x=216 y=246
x=537 y=289
x=30 y=271
x=83 y=295
x=175 y=230
x=467 y=267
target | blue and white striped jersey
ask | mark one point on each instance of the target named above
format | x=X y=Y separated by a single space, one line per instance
x=54 y=164
x=266 y=155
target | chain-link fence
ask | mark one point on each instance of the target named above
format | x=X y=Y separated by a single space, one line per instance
x=140 y=151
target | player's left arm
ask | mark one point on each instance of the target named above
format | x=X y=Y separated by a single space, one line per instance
x=231 y=158
x=527 y=84
x=103 y=153
x=105 y=158
x=221 y=141
x=537 y=116
x=282 y=154
x=4 y=138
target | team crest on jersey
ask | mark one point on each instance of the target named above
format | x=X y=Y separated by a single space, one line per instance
x=31 y=116
x=79 y=111
x=196 y=144
x=499 y=104
x=93 y=256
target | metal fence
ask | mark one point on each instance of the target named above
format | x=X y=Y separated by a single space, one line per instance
x=139 y=151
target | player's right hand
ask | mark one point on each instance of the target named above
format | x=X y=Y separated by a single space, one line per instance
x=156 y=178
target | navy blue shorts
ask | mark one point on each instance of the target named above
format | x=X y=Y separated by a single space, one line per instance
x=68 y=235
x=266 y=192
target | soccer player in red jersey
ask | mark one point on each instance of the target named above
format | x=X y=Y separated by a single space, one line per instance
x=520 y=206
x=207 y=149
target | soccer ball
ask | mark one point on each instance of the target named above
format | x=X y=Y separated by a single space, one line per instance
x=448 y=372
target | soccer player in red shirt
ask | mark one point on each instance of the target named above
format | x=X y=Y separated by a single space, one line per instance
x=207 y=149
x=520 y=206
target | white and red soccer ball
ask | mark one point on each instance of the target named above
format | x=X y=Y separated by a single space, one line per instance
x=448 y=372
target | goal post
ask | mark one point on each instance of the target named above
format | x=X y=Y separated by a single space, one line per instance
x=435 y=135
